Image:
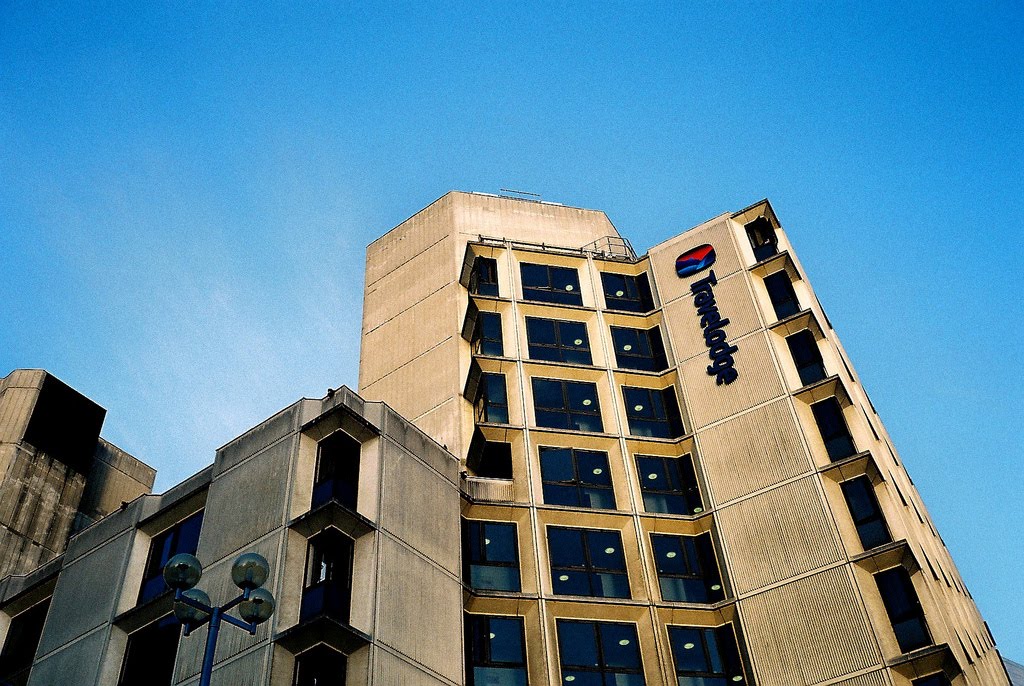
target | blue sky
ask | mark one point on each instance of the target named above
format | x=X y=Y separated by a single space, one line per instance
x=186 y=195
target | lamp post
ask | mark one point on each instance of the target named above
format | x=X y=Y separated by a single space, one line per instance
x=192 y=606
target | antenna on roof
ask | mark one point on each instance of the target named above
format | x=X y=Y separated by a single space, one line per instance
x=519 y=193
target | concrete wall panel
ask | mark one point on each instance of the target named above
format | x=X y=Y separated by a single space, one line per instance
x=389 y=668
x=778 y=534
x=752 y=451
x=77 y=664
x=793 y=631
x=758 y=382
x=421 y=276
x=422 y=384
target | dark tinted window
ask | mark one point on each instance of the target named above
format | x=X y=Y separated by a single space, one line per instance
x=687 y=569
x=627 y=293
x=490 y=555
x=806 y=356
x=337 y=470
x=20 y=645
x=149 y=657
x=566 y=405
x=933 y=680
x=599 y=653
x=579 y=478
x=903 y=608
x=828 y=415
x=558 y=341
x=484 y=279
x=867 y=516
x=320 y=666
x=653 y=412
x=782 y=295
x=549 y=284
x=762 y=238
x=492 y=399
x=669 y=485
x=328 y=585
x=487 y=340
x=704 y=656
x=495 y=651
x=639 y=349
x=587 y=562
x=183 y=537
x=495 y=460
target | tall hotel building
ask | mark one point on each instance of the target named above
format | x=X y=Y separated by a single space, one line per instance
x=566 y=464
x=672 y=474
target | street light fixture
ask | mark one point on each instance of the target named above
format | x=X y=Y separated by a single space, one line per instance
x=193 y=609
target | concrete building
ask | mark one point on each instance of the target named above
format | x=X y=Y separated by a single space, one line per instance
x=612 y=470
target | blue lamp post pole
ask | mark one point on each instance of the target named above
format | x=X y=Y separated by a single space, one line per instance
x=193 y=609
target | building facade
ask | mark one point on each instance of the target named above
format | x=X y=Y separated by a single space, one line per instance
x=689 y=482
x=567 y=464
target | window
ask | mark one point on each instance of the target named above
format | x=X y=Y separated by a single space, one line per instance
x=687 y=569
x=933 y=679
x=337 y=471
x=487 y=339
x=495 y=651
x=705 y=656
x=780 y=292
x=495 y=460
x=596 y=653
x=903 y=608
x=669 y=485
x=627 y=293
x=806 y=356
x=484 y=278
x=183 y=537
x=490 y=555
x=762 y=238
x=320 y=666
x=579 y=478
x=23 y=636
x=557 y=341
x=492 y=399
x=867 y=516
x=328 y=584
x=587 y=562
x=652 y=412
x=828 y=415
x=548 y=284
x=639 y=349
x=149 y=657
x=566 y=405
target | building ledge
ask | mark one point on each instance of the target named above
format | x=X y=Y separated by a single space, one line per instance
x=332 y=514
x=322 y=629
x=803 y=319
x=860 y=464
x=146 y=613
x=479 y=489
x=894 y=554
x=927 y=660
x=820 y=390
x=775 y=263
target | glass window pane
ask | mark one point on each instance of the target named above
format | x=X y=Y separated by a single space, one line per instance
x=577 y=644
x=556 y=464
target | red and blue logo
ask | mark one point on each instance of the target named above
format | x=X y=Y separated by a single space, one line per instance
x=696 y=260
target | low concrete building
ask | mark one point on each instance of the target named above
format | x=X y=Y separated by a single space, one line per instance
x=357 y=512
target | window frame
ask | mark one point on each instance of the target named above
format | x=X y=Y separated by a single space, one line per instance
x=862 y=521
x=485 y=406
x=162 y=547
x=672 y=494
x=723 y=635
x=782 y=294
x=477 y=632
x=592 y=571
x=911 y=615
x=319 y=654
x=484 y=267
x=571 y=415
x=811 y=369
x=602 y=665
x=547 y=290
x=697 y=555
x=336 y=474
x=637 y=296
x=662 y=403
x=649 y=341
x=329 y=595
x=583 y=489
x=475 y=530
x=24 y=632
x=764 y=240
x=558 y=351
x=484 y=341
x=143 y=674
x=839 y=442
